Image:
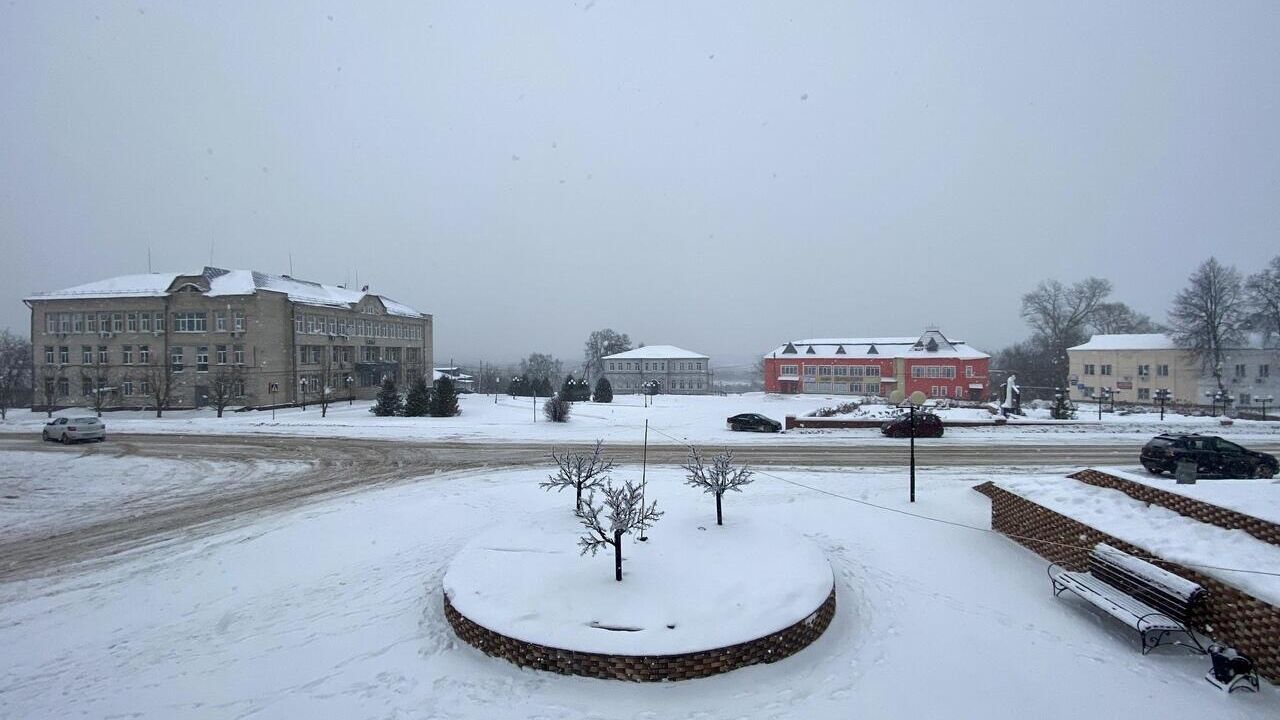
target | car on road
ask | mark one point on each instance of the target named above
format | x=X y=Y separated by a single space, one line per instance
x=754 y=422
x=927 y=425
x=1212 y=455
x=74 y=429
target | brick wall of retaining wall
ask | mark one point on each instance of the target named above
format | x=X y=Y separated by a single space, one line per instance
x=1228 y=615
x=1265 y=531
x=645 y=668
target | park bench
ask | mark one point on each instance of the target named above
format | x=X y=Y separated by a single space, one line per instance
x=1149 y=599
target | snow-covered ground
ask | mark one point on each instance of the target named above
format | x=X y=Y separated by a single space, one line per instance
x=1259 y=498
x=46 y=492
x=334 y=611
x=699 y=419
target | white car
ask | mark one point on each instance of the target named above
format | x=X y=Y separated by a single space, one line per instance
x=69 y=430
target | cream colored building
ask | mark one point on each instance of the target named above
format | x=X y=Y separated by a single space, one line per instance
x=271 y=339
x=1135 y=367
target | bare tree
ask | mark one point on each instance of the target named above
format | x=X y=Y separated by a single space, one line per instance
x=15 y=370
x=581 y=471
x=326 y=380
x=226 y=384
x=159 y=379
x=1208 y=316
x=1117 y=318
x=718 y=479
x=600 y=344
x=97 y=375
x=50 y=375
x=626 y=513
x=1059 y=315
x=1263 y=291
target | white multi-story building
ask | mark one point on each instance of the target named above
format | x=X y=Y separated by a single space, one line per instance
x=678 y=371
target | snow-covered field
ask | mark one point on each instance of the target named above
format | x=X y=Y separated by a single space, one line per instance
x=334 y=611
x=699 y=419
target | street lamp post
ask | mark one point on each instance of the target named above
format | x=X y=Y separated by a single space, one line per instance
x=1102 y=396
x=351 y=397
x=1163 y=396
x=911 y=408
x=1264 y=401
x=303 y=384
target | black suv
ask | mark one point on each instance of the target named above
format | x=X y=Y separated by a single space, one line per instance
x=927 y=425
x=1212 y=455
x=752 y=421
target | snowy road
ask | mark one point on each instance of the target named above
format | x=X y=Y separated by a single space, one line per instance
x=209 y=490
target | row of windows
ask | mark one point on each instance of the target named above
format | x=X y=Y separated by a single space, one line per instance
x=938 y=371
x=870 y=388
x=655 y=365
x=940 y=391
x=311 y=324
x=61 y=387
x=837 y=370
x=71 y=323
x=62 y=356
x=1242 y=370
x=633 y=384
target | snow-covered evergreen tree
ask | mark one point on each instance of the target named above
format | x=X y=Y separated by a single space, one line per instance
x=581 y=471
x=604 y=391
x=444 y=399
x=626 y=512
x=388 y=403
x=418 y=402
x=721 y=477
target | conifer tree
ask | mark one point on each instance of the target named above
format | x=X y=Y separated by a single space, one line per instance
x=444 y=399
x=604 y=391
x=418 y=402
x=388 y=403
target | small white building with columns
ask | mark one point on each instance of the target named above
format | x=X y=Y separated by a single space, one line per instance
x=678 y=371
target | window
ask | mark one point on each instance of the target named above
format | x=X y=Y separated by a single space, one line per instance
x=299 y=323
x=91 y=322
x=873 y=371
x=933 y=371
x=221 y=355
x=789 y=370
x=50 y=323
x=857 y=371
x=64 y=355
x=810 y=370
x=1090 y=369
x=126 y=387
x=333 y=326
x=842 y=371
x=872 y=388
x=117 y=322
x=824 y=370
x=103 y=357
x=1245 y=399
x=1241 y=371
x=157 y=323
x=219 y=321
x=311 y=324
x=202 y=358
x=86 y=387
x=48 y=354
x=237 y=321
x=968 y=371
x=1106 y=370
x=1264 y=370
x=1162 y=370
x=855 y=387
x=131 y=322
x=1144 y=371
x=86 y=354
x=64 y=387
x=144 y=322
x=77 y=322
x=175 y=358
x=144 y=354
x=189 y=322
x=64 y=322
x=126 y=354
x=238 y=354
x=144 y=387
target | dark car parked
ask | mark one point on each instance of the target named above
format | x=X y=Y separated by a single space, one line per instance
x=1212 y=455
x=927 y=425
x=754 y=422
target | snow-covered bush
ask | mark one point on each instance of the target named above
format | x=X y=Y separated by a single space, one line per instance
x=557 y=409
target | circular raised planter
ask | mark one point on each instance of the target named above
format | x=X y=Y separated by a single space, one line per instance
x=695 y=600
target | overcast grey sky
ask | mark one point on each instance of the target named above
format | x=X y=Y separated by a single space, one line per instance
x=716 y=175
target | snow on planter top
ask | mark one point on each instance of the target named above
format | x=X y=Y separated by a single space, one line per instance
x=687 y=589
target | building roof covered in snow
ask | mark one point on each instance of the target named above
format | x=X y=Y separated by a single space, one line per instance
x=219 y=282
x=657 y=352
x=1128 y=341
x=932 y=344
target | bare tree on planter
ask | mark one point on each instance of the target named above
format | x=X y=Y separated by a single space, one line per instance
x=718 y=479
x=580 y=471
x=626 y=513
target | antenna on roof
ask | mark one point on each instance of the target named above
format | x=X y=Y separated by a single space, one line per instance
x=290 y=263
x=148 y=259
x=210 y=253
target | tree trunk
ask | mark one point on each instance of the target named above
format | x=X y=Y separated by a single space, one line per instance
x=219 y=411
x=719 y=516
x=578 y=505
x=617 y=556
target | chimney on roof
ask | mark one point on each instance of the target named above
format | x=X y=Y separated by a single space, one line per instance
x=364 y=288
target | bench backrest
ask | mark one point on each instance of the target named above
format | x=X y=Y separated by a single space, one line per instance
x=1171 y=594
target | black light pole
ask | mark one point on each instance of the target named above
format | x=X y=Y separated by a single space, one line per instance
x=1163 y=396
x=1263 y=402
x=644 y=464
x=304 y=394
x=911 y=408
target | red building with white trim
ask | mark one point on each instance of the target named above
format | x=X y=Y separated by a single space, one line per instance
x=931 y=363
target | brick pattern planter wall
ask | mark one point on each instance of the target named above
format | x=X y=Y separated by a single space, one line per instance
x=645 y=668
x=1265 y=531
x=1227 y=615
